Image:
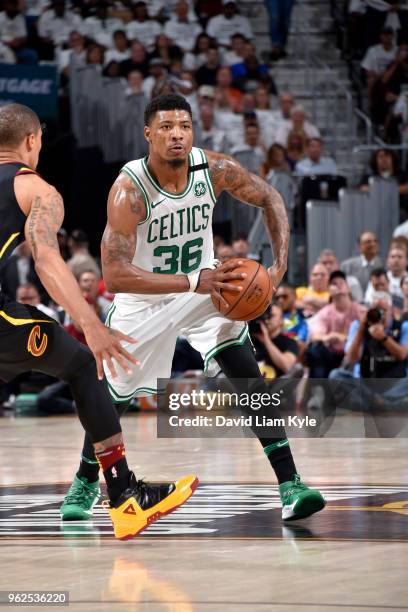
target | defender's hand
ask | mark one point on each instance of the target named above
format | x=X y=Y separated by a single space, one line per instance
x=105 y=345
x=213 y=281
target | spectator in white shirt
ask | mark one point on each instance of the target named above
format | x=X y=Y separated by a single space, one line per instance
x=13 y=32
x=314 y=162
x=75 y=53
x=378 y=57
x=211 y=137
x=286 y=104
x=7 y=56
x=157 y=73
x=134 y=83
x=396 y=268
x=142 y=28
x=222 y=27
x=265 y=115
x=180 y=29
x=56 y=24
x=237 y=52
x=298 y=123
x=100 y=27
x=120 y=52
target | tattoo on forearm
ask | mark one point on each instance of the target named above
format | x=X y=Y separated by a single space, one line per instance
x=45 y=219
x=117 y=247
x=227 y=174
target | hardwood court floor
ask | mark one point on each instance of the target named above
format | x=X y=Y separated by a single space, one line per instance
x=224 y=550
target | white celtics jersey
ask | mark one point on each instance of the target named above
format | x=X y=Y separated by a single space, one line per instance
x=176 y=236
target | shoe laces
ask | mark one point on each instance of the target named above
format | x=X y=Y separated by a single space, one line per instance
x=79 y=493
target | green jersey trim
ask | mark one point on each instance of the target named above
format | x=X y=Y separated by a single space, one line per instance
x=207 y=176
x=173 y=196
x=134 y=178
x=223 y=345
x=125 y=398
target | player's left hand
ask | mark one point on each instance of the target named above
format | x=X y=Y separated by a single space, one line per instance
x=276 y=273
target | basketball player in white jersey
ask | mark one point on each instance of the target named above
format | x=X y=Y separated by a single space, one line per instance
x=157 y=257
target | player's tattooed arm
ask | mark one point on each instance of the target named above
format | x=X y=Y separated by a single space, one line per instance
x=126 y=209
x=44 y=209
x=228 y=175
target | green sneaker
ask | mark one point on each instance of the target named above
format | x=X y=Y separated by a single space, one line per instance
x=298 y=501
x=80 y=499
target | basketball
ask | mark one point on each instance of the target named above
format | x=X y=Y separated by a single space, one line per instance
x=256 y=294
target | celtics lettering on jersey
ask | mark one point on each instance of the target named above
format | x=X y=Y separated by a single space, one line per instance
x=176 y=236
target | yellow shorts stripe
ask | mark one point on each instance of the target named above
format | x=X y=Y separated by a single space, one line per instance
x=14 y=321
x=7 y=243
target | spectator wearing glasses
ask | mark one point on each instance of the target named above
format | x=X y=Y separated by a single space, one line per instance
x=362 y=265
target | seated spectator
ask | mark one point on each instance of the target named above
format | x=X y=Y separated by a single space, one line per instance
x=286 y=104
x=388 y=88
x=100 y=27
x=202 y=44
x=222 y=27
x=384 y=164
x=7 y=56
x=143 y=29
x=112 y=70
x=212 y=138
x=362 y=265
x=314 y=163
x=56 y=24
x=94 y=56
x=328 y=259
x=19 y=270
x=180 y=30
x=237 y=52
x=295 y=325
x=397 y=262
x=137 y=60
x=81 y=259
x=75 y=53
x=158 y=73
x=273 y=348
x=225 y=94
x=298 y=123
x=120 y=51
x=13 y=33
x=400 y=242
x=240 y=246
x=254 y=144
x=279 y=24
x=296 y=148
x=379 y=281
x=134 y=83
x=224 y=252
x=329 y=328
x=207 y=73
x=312 y=298
x=29 y=294
x=265 y=115
x=275 y=162
x=376 y=349
x=378 y=57
x=88 y=283
x=250 y=73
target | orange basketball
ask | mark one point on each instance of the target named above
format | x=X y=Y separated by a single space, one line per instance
x=255 y=296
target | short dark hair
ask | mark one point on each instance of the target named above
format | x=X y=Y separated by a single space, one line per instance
x=337 y=274
x=16 y=123
x=166 y=102
x=240 y=236
x=377 y=272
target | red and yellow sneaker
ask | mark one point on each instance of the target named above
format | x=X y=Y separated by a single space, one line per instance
x=141 y=504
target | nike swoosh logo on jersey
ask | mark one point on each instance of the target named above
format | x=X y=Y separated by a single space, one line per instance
x=157 y=203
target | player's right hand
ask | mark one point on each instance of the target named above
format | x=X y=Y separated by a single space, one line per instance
x=213 y=281
x=104 y=343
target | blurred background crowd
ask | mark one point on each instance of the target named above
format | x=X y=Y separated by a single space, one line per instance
x=313 y=97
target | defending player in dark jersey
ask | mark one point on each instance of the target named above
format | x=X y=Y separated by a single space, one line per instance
x=32 y=209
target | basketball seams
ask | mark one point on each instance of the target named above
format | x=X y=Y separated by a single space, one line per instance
x=243 y=293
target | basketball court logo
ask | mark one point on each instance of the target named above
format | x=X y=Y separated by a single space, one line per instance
x=199 y=189
x=37 y=344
